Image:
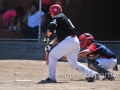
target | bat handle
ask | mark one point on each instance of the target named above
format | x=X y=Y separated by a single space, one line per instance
x=47 y=56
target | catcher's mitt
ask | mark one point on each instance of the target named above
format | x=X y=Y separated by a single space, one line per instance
x=64 y=58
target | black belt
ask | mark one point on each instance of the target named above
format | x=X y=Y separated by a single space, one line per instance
x=73 y=35
x=112 y=57
x=109 y=57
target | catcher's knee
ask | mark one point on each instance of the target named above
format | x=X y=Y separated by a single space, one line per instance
x=92 y=66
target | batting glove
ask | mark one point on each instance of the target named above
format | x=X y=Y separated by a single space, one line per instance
x=48 y=47
x=46 y=40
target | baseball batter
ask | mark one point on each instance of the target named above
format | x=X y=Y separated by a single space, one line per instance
x=67 y=44
x=99 y=57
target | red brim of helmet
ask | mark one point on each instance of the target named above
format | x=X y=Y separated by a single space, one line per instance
x=49 y=12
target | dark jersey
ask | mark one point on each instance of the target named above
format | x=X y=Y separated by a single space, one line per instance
x=62 y=26
x=100 y=49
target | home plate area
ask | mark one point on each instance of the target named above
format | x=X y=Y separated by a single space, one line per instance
x=25 y=75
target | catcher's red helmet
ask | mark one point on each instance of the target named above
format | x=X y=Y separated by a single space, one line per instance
x=55 y=9
x=84 y=40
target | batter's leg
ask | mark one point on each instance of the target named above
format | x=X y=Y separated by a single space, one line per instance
x=78 y=66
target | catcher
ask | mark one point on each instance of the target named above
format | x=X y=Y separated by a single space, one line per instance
x=99 y=57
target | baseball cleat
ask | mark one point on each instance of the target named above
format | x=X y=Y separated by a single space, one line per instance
x=109 y=76
x=111 y=79
x=47 y=80
x=91 y=79
x=97 y=77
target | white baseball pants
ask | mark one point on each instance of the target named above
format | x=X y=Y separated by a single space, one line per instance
x=70 y=47
x=107 y=63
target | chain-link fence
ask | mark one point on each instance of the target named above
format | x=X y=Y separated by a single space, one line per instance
x=24 y=19
x=98 y=17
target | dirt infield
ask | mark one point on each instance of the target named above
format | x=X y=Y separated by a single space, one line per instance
x=29 y=72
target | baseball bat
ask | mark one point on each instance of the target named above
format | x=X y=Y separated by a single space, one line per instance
x=47 y=55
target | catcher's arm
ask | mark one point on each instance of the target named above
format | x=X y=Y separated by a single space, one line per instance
x=64 y=58
x=79 y=58
x=83 y=54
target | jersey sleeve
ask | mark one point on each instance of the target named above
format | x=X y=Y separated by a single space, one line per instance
x=92 y=48
x=52 y=26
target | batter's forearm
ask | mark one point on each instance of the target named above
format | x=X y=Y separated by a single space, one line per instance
x=54 y=41
x=48 y=33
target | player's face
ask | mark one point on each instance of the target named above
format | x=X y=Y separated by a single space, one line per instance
x=33 y=9
x=52 y=14
x=83 y=43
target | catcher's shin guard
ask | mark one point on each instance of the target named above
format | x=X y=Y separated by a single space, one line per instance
x=94 y=65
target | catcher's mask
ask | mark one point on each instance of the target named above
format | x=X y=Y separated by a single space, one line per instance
x=55 y=9
x=84 y=40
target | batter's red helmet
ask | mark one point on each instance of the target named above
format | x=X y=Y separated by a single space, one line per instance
x=84 y=40
x=55 y=9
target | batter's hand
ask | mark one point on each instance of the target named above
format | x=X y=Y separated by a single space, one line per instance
x=46 y=40
x=48 y=47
